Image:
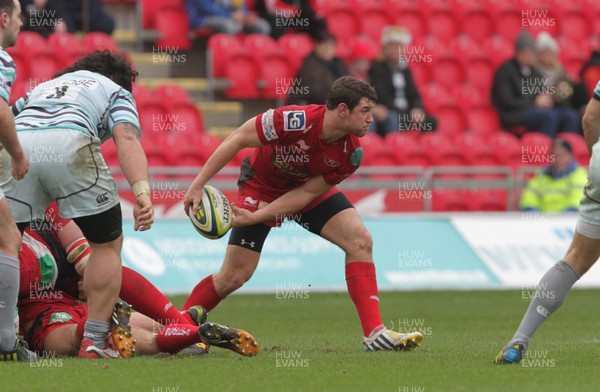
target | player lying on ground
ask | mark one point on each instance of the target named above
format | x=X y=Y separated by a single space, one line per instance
x=53 y=260
x=582 y=254
x=300 y=154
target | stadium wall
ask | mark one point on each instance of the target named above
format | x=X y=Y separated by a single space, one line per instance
x=411 y=251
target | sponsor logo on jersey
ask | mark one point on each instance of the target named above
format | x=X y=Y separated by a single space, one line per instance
x=330 y=162
x=60 y=317
x=294 y=120
x=268 y=127
x=357 y=157
x=102 y=199
x=250 y=201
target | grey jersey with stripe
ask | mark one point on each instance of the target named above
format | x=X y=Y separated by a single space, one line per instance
x=84 y=101
x=8 y=74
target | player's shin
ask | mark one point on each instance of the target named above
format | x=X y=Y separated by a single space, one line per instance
x=362 y=287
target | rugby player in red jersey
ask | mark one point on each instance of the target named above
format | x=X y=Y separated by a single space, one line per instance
x=53 y=259
x=301 y=153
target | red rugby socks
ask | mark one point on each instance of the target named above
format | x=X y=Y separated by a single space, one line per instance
x=148 y=300
x=362 y=286
x=204 y=294
x=175 y=337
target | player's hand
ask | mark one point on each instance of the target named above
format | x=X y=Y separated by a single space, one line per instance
x=143 y=212
x=543 y=101
x=192 y=198
x=20 y=166
x=242 y=217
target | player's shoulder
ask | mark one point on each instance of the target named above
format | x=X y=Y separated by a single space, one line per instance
x=5 y=58
x=301 y=118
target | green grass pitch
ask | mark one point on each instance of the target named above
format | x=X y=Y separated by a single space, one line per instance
x=313 y=344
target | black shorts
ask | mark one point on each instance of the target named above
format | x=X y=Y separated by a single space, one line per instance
x=253 y=237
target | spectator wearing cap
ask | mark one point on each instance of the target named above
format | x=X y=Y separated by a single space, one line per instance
x=567 y=94
x=399 y=106
x=318 y=71
x=361 y=57
x=522 y=98
x=559 y=187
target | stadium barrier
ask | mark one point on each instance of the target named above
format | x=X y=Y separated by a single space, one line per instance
x=411 y=252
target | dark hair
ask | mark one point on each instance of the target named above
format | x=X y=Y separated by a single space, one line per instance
x=112 y=65
x=324 y=36
x=7 y=5
x=564 y=144
x=350 y=91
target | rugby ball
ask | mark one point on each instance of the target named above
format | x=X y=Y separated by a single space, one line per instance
x=213 y=217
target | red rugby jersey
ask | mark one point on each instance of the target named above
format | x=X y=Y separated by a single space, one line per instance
x=294 y=151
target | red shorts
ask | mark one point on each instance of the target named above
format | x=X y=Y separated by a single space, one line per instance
x=252 y=199
x=52 y=315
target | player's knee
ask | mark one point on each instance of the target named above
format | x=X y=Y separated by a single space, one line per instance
x=235 y=280
x=11 y=242
x=361 y=243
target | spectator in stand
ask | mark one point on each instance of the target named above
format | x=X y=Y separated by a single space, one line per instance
x=566 y=93
x=59 y=16
x=318 y=71
x=521 y=97
x=286 y=15
x=590 y=72
x=361 y=58
x=399 y=106
x=559 y=187
x=225 y=16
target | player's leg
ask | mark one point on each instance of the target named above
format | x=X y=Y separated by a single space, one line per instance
x=335 y=219
x=10 y=243
x=102 y=278
x=241 y=260
x=557 y=282
x=63 y=341
x=553 y=289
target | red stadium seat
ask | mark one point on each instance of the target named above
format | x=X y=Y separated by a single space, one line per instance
x=153 y=118
x=509 y=24
x=483 y=120
x=451 y=120
x=448 y=200
x=186 y=118
x=478 y=25
x=475 y=150
x=465 y=49
x=373 y=145
x=30 y=43
x=421 y=73
x=66 y=48
x=142 y=95
x=373 y=21
x=173 y=26
x=42 y=67
x=574 y=25
x=295 y=47
x=580 y=149
x=278 y=79
x=343 y=24
x=18 y=89
x=402 y=147
x=222 y=48
x=506 y=148
x=488 y=200
x=536 y=149
x=447 y=72
x=151 y=8
x=259 y=46
x=467 y=97
x=99 y=41
x=170 y=95
x=441 y=150
x=443 y=25
x=498 y=50
x=242 y=73
x=480 y=73
x=414 y=21
x=435 y=97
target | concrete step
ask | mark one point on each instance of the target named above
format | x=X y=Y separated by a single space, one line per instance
x=221 y=114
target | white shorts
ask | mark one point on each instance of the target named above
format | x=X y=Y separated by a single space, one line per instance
x=589 y=207
x=64 y=165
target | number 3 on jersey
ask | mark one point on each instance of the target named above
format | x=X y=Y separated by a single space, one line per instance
x=294 y=120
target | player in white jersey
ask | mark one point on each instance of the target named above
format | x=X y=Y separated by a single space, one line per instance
x=582 y=254
x=11 y=348
x=61 y=124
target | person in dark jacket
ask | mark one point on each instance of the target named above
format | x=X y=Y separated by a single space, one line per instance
x=225 y=16
x=399 y=106
x=318 y=72
x=522 y=98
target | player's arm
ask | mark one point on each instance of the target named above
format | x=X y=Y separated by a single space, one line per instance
x=134 y=164
x=292 y=201
x=243 y=137
x=10 y=141
x=591 y=122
